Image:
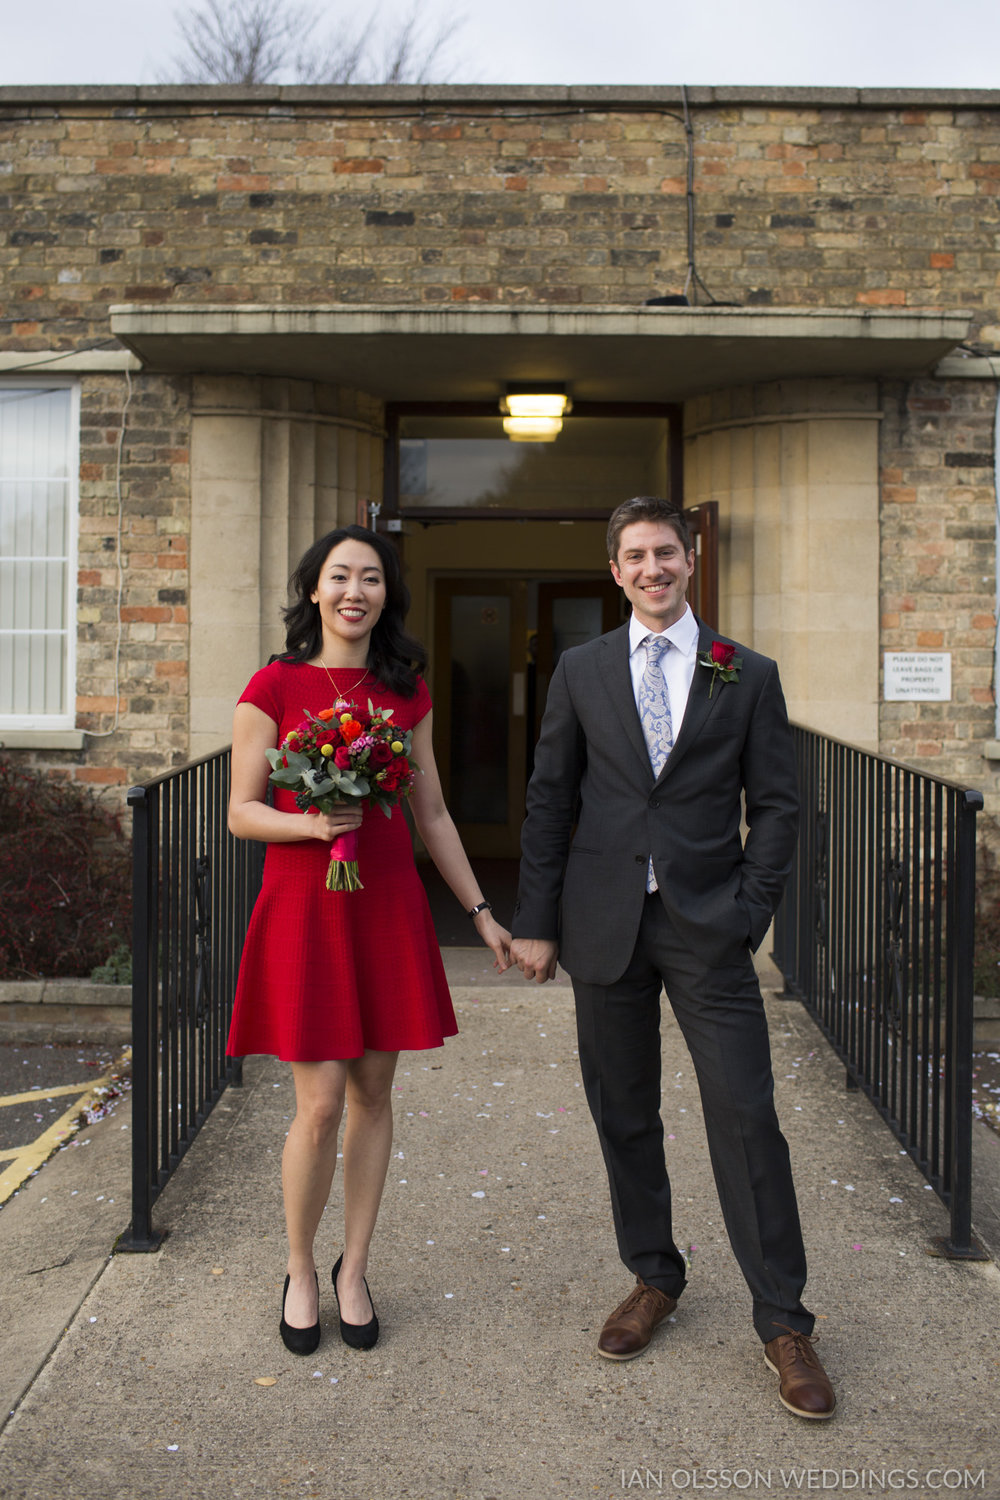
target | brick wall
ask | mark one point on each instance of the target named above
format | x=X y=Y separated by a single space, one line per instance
x=140 y=662
x=522 y=201
x=938 y=520
x=517 y=196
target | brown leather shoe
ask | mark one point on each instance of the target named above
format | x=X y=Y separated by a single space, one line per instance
x=630 y=1327
x=805 y=1386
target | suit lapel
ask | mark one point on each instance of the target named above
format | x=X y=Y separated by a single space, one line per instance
x=699 y=705
x=617 y=679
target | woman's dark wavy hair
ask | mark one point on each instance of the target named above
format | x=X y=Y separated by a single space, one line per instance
x=395 y=657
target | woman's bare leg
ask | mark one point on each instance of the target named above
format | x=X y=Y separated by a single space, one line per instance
x=367 y=1144
x=307 y=1167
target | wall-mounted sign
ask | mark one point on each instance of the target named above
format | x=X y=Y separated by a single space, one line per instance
x=920 y=676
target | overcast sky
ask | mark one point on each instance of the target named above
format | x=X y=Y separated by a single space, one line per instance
x=868 y=43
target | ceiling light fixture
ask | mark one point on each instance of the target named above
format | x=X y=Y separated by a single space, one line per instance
x=533 y=412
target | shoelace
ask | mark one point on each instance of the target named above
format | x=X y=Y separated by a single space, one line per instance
x=635 y=1297
x=803 y=1343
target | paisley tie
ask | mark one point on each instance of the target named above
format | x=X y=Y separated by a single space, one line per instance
x=654 y=703
x=654 y=714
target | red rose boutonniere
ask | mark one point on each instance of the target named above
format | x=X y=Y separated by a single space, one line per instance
x=723 y=662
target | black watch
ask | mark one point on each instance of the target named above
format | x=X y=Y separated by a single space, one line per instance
x=483 y=906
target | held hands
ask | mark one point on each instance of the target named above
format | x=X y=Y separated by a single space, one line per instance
x=535 y=957
x=495 y=937
x=328 y=826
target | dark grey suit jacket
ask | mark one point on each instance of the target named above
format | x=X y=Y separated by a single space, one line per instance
x=733 y=756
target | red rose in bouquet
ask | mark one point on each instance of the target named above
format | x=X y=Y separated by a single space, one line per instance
x=342 y=753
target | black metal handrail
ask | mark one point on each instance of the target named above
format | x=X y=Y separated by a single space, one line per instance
x=875 y=936
x=193 y=888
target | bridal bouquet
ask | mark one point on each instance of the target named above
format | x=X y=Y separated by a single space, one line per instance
x=341 y=753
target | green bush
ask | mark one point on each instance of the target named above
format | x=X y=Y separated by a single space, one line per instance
x=65 y=877
x=117 y=967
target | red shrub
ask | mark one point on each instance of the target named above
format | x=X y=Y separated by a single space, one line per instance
x=65 y=877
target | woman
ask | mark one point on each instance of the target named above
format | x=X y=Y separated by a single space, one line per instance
x=337 y=983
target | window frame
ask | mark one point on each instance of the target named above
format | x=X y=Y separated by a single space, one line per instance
x=29 y=725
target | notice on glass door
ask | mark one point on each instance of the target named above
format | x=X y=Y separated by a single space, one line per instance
x=917 y=676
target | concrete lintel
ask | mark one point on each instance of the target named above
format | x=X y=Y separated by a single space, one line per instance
x=87 y=362
x=675 y=322
x=608 y=353
x=452 y=95
x=968 y=367
x=42 y=739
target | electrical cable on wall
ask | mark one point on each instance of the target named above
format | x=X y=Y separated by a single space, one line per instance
x=693 y=281
x=49 y=359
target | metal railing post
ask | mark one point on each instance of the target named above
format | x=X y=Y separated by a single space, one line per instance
x=193 y=888
x=876 y=937
x=140 y=1236
x=961 y=1244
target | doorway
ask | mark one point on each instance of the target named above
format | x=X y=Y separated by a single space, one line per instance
x=496 y=643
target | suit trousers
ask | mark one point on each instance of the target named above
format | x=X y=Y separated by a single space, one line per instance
x=720 y=1013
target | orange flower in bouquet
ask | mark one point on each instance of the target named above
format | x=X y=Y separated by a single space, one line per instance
x=338 y=755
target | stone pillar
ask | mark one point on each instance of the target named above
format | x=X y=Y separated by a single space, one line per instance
x=794 y=467
x=274 y=464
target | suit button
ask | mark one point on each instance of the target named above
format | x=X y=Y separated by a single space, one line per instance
x=640 y=859
x=654 y=802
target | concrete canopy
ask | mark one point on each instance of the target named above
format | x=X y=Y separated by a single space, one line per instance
x=617 y=354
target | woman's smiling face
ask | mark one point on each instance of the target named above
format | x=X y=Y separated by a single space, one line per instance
x=350 y=592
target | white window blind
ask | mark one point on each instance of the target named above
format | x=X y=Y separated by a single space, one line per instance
x=38 y=536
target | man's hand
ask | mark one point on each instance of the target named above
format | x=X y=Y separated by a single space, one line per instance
x=535 y=957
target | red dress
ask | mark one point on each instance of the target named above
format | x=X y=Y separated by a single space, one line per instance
x=328 y=974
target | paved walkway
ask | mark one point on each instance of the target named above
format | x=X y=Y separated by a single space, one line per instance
x=493 y=1268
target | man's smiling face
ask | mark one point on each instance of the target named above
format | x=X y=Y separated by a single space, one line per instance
x=653 y=570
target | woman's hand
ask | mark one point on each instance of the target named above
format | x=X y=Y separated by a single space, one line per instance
x=495 y=937
x=328 y=826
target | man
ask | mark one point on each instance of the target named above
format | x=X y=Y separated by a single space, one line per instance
x=655 y=746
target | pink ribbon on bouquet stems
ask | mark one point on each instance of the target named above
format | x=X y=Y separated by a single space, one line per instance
x=342 y=871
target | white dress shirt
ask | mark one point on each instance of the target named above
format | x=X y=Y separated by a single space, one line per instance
x=678 y=663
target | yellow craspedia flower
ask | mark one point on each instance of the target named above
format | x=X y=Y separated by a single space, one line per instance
x=396 y=747
x=346 y=718
x=326 y=750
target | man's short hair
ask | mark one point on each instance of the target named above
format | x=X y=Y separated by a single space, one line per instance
x=646 y=508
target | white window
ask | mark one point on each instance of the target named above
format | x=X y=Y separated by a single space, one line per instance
x=39 y=470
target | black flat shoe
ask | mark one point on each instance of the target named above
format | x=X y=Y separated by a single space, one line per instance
x=356 y=1335
x=298 y=1340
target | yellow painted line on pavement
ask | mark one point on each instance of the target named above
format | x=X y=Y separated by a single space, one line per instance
x=58 y=1133
x=32 y=1094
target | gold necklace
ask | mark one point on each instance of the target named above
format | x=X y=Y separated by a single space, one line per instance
x=353 y=685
